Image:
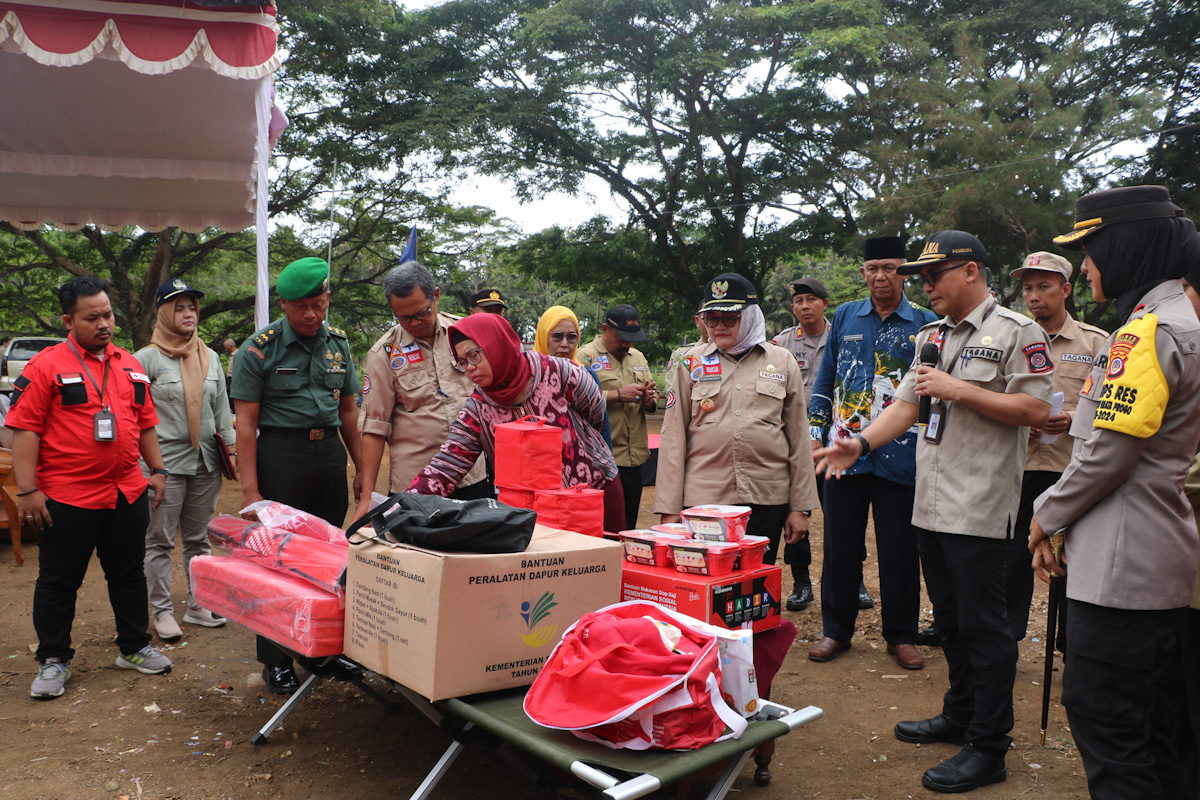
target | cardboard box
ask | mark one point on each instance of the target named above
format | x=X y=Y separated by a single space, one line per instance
x=454 y=624
x=727 y=600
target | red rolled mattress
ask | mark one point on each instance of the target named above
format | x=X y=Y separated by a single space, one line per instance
x=283 y=608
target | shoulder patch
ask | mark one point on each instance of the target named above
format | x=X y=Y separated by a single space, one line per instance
x=1038 y=357
x=670 y=398
x=1134 y=395
x=257 y=352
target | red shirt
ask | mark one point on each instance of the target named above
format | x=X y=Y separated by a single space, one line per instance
x=56 y=400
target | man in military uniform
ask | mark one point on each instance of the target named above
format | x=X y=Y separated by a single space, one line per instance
x=1046 y=285
x=993 y=380
x=412 y=389
x=294 y=384
x=872 y=343
x=629 y=391
x=806 y=341
x=487 y=301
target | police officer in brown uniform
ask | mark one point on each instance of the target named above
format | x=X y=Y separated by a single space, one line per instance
x=1046 y=285
x=413 y=388
x=1131 y=540
x=732 y=403
x=992 y=381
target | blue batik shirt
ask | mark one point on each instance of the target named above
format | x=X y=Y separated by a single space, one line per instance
x=865 y=359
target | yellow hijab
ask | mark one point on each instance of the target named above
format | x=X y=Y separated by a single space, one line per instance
x=549 y=321
x=193 y=363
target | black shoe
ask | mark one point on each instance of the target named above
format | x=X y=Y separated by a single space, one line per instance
x=967 y=770
x=281 y=680
x=935 y=729
x=931 y=636
x=801 y=596
x=864 y=597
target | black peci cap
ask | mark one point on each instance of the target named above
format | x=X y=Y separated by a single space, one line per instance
x=883 y=247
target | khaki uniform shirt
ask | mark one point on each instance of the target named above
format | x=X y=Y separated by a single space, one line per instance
x=630 y=441
x=411 y=392
x=295 y=386
x=735 y=431
x=970 y=482
x=1072 y=350
x=1131 y=539
x=808 y=351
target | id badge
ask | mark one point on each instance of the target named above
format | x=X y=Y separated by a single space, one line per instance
x=105 y=424
x=937 y=423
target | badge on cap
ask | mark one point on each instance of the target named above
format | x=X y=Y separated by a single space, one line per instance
x=720 y=289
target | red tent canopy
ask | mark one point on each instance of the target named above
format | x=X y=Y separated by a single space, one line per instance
x=154 y=113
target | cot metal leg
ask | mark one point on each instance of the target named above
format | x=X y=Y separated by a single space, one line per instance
x=287 y=708
x=440 y=768
x=725 y=783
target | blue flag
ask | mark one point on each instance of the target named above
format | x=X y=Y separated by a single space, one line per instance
x=410 y=249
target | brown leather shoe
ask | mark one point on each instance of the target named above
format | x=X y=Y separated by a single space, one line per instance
x=827 y=649
x=907 y=656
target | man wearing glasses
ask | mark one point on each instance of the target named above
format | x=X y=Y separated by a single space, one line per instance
x=871 y=346
x=629 y=391
x=991 y=381
x=413 y=388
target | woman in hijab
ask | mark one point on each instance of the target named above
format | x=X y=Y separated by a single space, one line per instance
x=558 y=336
x=188 y=387
x=736 y=425
x=1120 y=506
x=509 y=385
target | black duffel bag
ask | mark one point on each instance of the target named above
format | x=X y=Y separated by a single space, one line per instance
x=452 y=526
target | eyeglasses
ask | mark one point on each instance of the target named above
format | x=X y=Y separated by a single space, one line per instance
x=932 y=277
x=408 y=319
x=559 y=336
x=472 y=356
x=886 y=269
x=731 y=321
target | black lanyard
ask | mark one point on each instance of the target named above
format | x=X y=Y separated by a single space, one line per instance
x=88 y=372
x=945 y=332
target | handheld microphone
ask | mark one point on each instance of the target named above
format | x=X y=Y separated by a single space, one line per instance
x=929 y=357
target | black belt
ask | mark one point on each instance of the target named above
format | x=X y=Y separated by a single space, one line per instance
x=312 y=434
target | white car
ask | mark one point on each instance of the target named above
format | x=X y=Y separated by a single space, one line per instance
x=16 y=354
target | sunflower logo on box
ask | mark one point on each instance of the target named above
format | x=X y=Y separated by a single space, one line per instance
x=538 y=634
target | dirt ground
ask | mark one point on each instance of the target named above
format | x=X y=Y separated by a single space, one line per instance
x=186 y=735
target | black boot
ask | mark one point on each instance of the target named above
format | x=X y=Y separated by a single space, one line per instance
x=801 y=595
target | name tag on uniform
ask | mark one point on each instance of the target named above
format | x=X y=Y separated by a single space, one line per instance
x=984 y=353
x=287 y=370
x=643 y=369
x=1079 y=358
x=412 y=353
x=772 y=376
x=852 y=337
x=104 y=424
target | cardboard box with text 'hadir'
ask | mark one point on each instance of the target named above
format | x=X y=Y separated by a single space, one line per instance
x=454 y=624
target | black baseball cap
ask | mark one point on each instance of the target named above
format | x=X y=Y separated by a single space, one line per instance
x=729 y=292
x=173 y=288
x=810 y=286
x=1127 y=204
x=946 y=246
x=624 y=320
x=488 y=297
x=883 y=247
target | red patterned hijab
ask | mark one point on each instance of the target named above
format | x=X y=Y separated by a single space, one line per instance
x=499 y=342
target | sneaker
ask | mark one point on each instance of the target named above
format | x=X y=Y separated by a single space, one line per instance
x=168 y=629
x=147 y=660
x=204 y=618
x=52 y=677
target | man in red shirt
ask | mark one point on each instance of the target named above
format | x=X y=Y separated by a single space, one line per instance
x=82 y=414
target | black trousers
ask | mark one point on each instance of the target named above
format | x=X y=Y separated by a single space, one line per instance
x=798 y=556
x=1187 y=716
x=307 y=475
x=1120 y=701
x=118 y=537
x=768 y=521
x=964 y=576
x=850 y=497
x=1018 y=585
x=631 y=483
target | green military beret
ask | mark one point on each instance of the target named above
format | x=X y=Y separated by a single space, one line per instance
x=306 y=277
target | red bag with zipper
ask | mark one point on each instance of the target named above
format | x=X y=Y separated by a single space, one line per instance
x=635 y=675
x=529 y=454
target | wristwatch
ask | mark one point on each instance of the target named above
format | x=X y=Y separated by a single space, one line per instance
x=160 y=471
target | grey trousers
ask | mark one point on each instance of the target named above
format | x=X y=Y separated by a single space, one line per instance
x=189 y=505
